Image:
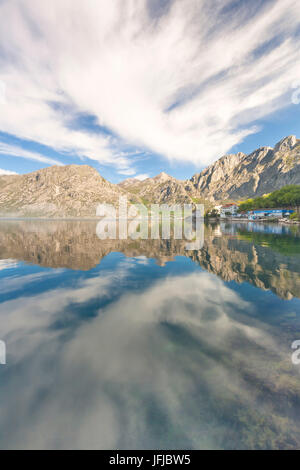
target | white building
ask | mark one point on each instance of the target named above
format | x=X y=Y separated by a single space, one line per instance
x=229 y=210
x=218 y=209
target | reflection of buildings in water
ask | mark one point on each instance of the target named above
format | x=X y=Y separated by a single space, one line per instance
x=75 y=245
x=233 y=228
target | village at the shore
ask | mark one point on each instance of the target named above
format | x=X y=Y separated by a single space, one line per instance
x=231 y=211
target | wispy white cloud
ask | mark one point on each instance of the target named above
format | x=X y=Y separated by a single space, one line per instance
x=187 y=82
x=142 y=177
x=8 y=263
x=16 y=151
x=128 y=172
x=6 y=172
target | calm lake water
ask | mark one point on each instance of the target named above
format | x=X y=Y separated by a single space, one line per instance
x=142 y=344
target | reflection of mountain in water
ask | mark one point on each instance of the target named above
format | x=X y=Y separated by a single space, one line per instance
x=239 y=261
x=237 y=255
x=74 y=244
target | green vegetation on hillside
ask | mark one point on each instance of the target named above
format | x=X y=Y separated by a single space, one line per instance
x=288 y=196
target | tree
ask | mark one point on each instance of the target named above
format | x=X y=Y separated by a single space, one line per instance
x=288 y=196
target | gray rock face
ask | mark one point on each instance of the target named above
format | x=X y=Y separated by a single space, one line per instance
x=68 y=191
x=241 y=176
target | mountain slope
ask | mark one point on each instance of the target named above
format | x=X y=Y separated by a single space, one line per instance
x=242 y=176
x=67 y=191
x=162 y=189
x=76 y=190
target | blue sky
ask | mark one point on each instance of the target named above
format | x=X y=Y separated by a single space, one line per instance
x=137 y=87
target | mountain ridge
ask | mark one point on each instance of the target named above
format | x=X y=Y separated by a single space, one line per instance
x=58 y=191
x=160 y=189
x=241 y=176
x=76 y=190
x=232 y=177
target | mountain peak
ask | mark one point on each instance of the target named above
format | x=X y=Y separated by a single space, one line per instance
x=57 y=191
x=240 y=176
x=65 y=171
x=162 y=177
x=288 y=143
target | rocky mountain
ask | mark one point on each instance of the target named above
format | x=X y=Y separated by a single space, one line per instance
x=232 y=177
x=76 y=190
x=66 y=191
x=162 y=189
x=240 y=176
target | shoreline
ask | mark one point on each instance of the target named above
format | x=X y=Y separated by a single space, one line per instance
x=96 y=219
x=262 y=221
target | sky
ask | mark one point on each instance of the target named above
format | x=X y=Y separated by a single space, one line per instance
x=136 y=87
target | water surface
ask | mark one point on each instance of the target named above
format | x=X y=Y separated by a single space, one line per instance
x=142 y=344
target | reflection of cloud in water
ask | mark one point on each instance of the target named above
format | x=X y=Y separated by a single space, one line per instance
x=177 y=365
x=17 y=282
x=8 y=264
x=142 y=260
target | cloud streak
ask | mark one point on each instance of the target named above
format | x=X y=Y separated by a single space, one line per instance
x=16 y=151
x=187 y=80
x=6 y=172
